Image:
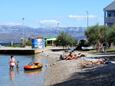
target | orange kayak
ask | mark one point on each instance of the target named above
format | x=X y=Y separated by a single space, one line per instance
x=33 y=66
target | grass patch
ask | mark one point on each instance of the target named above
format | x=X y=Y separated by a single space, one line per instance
x=111 y=49
x=107 y=50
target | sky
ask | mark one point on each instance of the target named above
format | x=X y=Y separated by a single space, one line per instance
x=51 y=13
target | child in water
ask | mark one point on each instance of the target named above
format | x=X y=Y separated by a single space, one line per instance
x=17 y=64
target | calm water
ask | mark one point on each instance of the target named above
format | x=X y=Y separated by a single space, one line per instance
x=19 y=77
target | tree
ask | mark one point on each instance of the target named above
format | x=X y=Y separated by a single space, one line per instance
x=29 y=42
x=64 y=39
x=26 y=41
x=92 y=34
x=111 y=35
x=102 y=32
x=97 y=35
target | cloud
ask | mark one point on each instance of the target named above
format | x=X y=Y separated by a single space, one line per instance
x=51 y=22
x=81 y=16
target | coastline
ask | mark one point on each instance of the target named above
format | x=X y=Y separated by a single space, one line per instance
x=69 y=72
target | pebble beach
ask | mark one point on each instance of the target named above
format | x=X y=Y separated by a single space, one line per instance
x=71 y=73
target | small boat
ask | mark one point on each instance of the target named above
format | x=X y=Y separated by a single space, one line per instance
x=33 y=66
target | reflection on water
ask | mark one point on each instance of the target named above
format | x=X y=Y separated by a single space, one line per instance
x=12 y=74
x=33 y=72
x=17 y=76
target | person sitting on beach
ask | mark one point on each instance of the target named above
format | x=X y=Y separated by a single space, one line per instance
x=61 y=57
x=75 y=56
x=81 y=55
x=12 y=62
x=70 y=56
x=101 y=61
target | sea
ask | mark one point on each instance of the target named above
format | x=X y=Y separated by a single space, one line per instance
x=19 y=77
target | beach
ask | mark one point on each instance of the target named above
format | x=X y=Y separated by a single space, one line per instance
x=70 y=72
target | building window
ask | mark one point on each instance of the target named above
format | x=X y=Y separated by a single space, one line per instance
x=109 y=14
x=109 y=24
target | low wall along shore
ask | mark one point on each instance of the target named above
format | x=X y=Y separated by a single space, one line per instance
x=19 y=51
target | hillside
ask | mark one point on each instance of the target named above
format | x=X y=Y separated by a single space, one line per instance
x=15 y=33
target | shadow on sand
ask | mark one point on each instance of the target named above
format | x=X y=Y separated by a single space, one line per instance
x=100 y=76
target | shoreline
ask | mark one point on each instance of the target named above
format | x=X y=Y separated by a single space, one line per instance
x=69 y=73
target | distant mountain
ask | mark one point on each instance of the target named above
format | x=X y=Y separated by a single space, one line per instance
x=10 y=33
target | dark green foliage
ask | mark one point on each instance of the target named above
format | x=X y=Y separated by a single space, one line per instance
x=111 y=34
x=82 y=43
x=92 y=34
x=96 y=34
x=28 y=42
x=64 y=39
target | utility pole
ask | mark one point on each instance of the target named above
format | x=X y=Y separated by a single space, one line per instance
x=87 y=17
x=23 y=44
x=58 y=27
x=23 y=25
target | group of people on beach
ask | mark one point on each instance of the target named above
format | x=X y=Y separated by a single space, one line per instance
x=13 y=63
x=86 y=60
x=72 y=56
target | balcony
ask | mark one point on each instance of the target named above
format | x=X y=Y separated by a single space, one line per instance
x=109 y=19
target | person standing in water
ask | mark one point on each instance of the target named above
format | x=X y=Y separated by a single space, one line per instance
x=12 y=62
